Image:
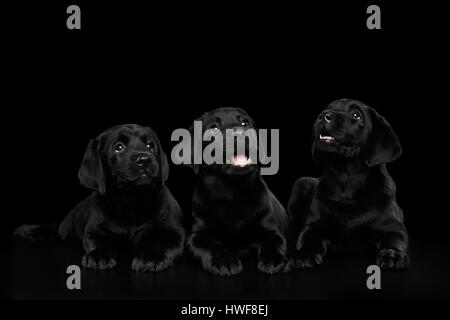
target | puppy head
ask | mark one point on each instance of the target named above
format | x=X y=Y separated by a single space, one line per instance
x=349 y=128
x=229 y=118
x=125 y=156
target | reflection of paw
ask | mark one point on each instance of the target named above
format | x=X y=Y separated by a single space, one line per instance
x=310 y=256
x=151 y=264
x=272 y=261
x=392 y=259
x=97 y=261
x=224 y=264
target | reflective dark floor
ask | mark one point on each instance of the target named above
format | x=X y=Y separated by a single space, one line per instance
x=39 y=272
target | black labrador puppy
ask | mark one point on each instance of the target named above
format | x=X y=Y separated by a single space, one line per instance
x=127 y=169
x=353 y=202
x=234 y=210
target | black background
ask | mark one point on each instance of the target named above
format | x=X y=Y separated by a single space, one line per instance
x=164 y=66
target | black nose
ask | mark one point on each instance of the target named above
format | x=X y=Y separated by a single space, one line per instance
x=238 y=131
x=328 y=117
x=142 y=159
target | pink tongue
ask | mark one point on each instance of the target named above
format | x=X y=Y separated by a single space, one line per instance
x=241 y=161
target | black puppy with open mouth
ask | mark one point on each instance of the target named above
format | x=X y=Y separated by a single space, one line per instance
x=233 y=208
x=127 y=169
x=354 y=200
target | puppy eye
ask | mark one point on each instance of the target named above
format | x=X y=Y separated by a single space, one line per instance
x=215 y=127
x=244 y=123
x=119 y=148
x=150 y=146
x=356 y=115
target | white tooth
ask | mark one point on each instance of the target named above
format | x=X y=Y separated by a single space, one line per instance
x=325 y=137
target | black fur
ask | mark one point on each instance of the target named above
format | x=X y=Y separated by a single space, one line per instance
x=353 y=201
x=234 y=211
x=127 y=169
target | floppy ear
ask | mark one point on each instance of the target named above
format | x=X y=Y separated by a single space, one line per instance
x=382 y=144
x=164 y=164
x=91 y=174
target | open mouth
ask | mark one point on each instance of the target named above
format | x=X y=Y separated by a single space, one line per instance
x=327 y=139
x=241 y=161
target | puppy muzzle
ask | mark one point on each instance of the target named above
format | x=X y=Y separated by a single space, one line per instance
x=242 y=150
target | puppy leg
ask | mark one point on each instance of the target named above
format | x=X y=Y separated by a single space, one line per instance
x=272 y=251
x=213 y=255
x=311 y=247
x=392 y=246
x=100 y=254
x=156 y=248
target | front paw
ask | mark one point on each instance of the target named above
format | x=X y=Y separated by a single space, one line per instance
x=272 y=261
x=151 y=264
x=392 y=259
x=224 y=264
x=98 y=261
x=311 y=255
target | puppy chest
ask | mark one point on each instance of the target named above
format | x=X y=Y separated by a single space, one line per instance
x=350 y=224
